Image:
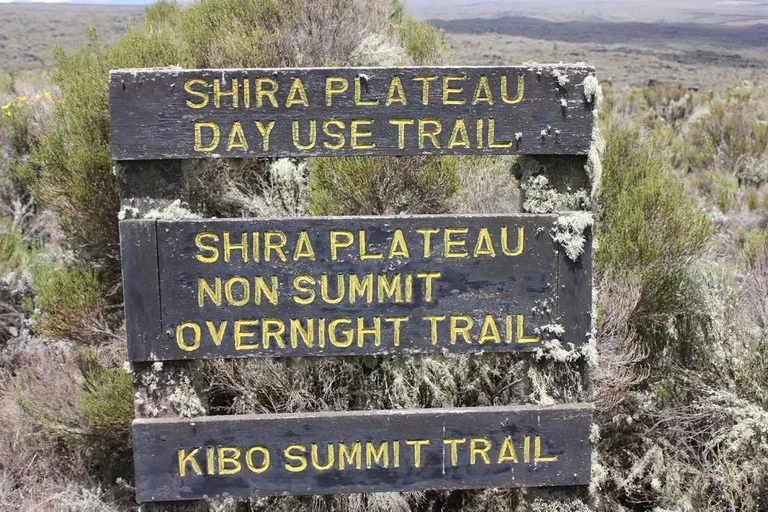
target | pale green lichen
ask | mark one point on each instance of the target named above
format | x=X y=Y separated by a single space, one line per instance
x=561 y=77
x=128 y=212
x=568 y=231
x=174 y=211
x=185 y=400
x=378 y=50
x=541 y=197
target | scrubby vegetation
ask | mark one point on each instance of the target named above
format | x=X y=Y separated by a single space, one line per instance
x=681 y=272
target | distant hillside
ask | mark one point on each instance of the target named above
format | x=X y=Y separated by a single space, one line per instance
x=28 y=32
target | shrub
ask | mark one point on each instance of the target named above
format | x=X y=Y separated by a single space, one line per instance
x=723 y=189
x=106 y=406
x=70 y=303
x=381 y=185
x=15 y=254
x=756 y=246
x=423 y=43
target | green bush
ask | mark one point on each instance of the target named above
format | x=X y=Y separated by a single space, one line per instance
x=233 y=33
x=381 y=185
x=15 y=253
x=650 y=232
x=106 y=406
x=756 y=246
x=69 y=302
x=74 y=170
x=722 y=188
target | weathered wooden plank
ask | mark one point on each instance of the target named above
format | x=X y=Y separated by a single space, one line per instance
x=575 y=294
x=361 y=285
x=247 y=113
x=138 y=247
x=341 y=452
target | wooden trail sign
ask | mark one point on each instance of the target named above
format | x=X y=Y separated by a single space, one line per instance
x=248 y=113
x=324 y=453
x=322 y=286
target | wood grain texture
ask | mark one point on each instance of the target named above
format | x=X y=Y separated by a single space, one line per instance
x=154 y=112
x=138 y=248
x=486 y=294
x=218 y=457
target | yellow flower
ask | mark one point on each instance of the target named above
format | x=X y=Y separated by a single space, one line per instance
x=7 y=105
x=48 y=95
x=9 y=114
x=21 y=98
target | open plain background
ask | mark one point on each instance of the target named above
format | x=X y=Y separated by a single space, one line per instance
x=705 y=44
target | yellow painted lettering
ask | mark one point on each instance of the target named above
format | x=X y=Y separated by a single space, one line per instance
x=206 y=247
x=362 y=331
x=396 y=323
x=484 y=245
x=351 y=456
x=203 y=289
x=334 y=85
x=433 y=321
x=233 y=92
x=245 y=295
x=237 y=138
x=400 y=123
x=425 y=79
x=427 y=234
x=517 y=251
x=454 y=442
x=269 y=92
x=215 y=136
x=303 y=248
x=225 y=459
x=520 y=90
x=240 y=334
x=328 y=458
x=364 y=254
x=459 y=135
x=522 y=338
x=242 y=247
x=448 y=90
x=475 y=450
x=430 y=134
x=301 y=459
x=457 y=330
x=265 y=131
x=507 y=451
x=264 y=459
x=202 y=95
x=449 y=243
x=356 y=133
x=277 y=246
x=181 y=342
x=359 y=93
x=378 y=455
x=298 y=285
x=296 y=94
x=185 y=458
x=482 y=91
x=337 y=243
x=312 y=135
x=339 y=136
x=396 y=93
x=344 y=342
x=272 y=329
x=217 y=333
x=339 y=289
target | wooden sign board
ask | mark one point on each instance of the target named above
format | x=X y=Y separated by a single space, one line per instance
x=324 y=453
x=248 y=113
x=322 y=286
